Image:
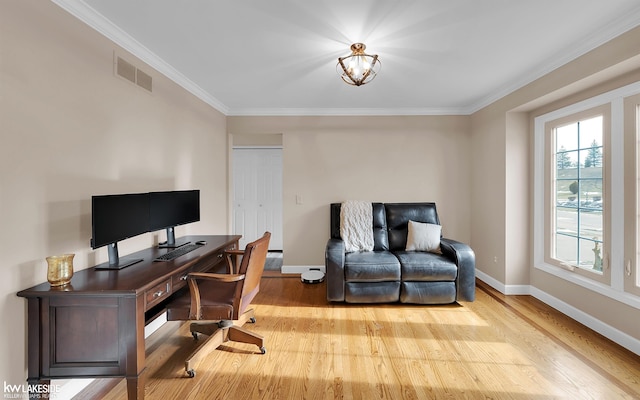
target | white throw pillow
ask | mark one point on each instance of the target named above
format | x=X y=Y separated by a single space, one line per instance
x=424 y=237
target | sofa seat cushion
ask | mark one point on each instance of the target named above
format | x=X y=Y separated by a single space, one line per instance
x=371 y=266
x=425 y=266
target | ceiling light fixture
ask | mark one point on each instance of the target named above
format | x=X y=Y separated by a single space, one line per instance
x=358 y=68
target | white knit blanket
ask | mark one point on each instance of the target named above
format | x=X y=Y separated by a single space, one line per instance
x=356 y=225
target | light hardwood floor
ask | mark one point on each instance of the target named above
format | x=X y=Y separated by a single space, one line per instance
x=498 y=347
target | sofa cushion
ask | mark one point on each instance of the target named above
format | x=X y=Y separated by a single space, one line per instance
x=398 y=217
x=380 y=239
x=424 y=266
x=423 y=237
x=371 y=266
x=372 y=292
x=428 y=292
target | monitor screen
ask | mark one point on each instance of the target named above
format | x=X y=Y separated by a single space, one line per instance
x=169 y=209
x=118 y=217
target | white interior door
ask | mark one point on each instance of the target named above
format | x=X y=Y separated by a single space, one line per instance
x=257 y=194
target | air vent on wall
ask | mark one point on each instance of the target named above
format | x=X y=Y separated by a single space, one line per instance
x=129 y=72
x=143 y=80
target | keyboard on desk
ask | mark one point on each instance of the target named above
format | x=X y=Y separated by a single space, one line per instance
x=180 y=251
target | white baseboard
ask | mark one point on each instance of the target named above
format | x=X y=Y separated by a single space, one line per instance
x=628 y=342
x=501 y=287
x=298 y=269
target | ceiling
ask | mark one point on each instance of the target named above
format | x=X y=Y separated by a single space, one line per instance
x=278 y=57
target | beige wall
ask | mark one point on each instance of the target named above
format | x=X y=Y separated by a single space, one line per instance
x=501 y=218
x=500 y=184
x=517 y=196
x=263 y=140
x=70 y=129
x=385 y=159
x=488 y=182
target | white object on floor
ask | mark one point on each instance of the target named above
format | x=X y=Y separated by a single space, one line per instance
x=312 y=276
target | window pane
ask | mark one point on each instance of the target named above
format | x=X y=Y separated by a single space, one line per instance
x=565 y=195
x=591 y=255
x=591 y=162
x=567 y=137
x=566 y=250
x=591 y=132
x=567 y=221
x=578 y=216
x=591 y=194
x=590 y=225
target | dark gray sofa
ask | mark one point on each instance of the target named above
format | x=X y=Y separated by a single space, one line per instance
x=391 y=274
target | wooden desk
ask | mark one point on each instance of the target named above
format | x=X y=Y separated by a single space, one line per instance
x=94 y=327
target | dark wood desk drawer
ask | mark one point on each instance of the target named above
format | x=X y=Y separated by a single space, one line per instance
x=158 y=293
x=206 y=264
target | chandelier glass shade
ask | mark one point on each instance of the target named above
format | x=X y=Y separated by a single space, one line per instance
x=358 y=68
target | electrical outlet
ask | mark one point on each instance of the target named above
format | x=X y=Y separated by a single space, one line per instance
x=495 y=259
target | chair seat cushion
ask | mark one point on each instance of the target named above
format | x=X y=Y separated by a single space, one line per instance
x=216 y=305
x=425 y=266
x=371 y=266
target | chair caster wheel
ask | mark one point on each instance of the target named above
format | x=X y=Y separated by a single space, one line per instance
x=195 y=335
x=263 y=350
x=252 y=320
x=191 y=373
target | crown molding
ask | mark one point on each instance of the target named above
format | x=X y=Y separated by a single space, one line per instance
x=97 y=21
x=297 y=112
x=105 y=27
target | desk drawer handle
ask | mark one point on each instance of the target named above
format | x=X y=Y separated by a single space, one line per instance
x=158 y=293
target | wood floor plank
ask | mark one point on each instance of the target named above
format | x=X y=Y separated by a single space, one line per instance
x=498 y=347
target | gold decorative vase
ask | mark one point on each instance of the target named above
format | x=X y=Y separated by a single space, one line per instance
x=60 y=269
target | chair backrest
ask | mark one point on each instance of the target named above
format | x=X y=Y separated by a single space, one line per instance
x=252 y=266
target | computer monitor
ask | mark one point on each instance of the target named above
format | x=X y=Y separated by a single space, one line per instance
x=173 y=208
x=115 y=218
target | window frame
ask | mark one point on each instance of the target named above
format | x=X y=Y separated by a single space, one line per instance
x=632 y=194
x=550 y=184
x=618 y=287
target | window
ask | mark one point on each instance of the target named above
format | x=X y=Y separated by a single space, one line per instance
x=632 y=193
x=578 y=208
x=586 y=205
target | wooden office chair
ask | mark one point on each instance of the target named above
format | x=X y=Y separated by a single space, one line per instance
x=222 y=300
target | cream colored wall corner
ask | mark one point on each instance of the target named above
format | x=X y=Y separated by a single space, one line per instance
x=70 y=129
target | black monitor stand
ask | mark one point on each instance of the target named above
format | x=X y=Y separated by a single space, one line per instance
x=171 y=242
x=115 y=262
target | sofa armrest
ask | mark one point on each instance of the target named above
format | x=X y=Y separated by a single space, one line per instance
x=334 y=264
x=465 y=259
